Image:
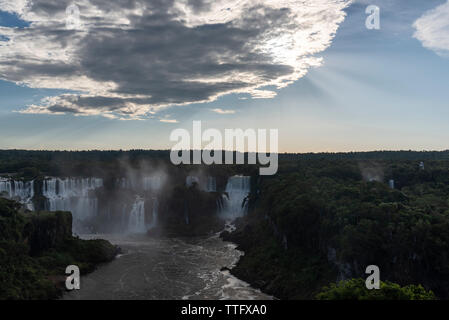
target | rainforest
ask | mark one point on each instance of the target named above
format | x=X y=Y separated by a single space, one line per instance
x=308 y=232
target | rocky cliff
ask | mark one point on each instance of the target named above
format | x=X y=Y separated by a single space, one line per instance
x=35 y=249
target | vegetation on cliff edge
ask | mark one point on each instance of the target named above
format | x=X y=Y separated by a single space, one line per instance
x=320 y=221
x=36 y=248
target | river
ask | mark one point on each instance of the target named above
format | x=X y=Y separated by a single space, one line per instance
x=166 y=269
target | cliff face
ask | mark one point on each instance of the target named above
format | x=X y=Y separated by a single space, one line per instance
x=318 y=223
x=189 y=212
x=286 y=273
x=35 y=249
x=45 y=230
x=134 y=199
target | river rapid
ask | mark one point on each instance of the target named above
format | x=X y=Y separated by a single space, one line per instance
x=166 y=269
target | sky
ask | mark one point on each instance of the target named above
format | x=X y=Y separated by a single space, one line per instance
x=98 y=74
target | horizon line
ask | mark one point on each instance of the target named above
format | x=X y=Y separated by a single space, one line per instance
x=202 y=150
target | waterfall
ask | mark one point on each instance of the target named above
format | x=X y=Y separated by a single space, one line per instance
x=391 y=183
x=211 y=184
x=152 y=183
x=127 y=183
x=142 y=189
x=154 y=213
x=137 y=217
x=191 y=180
x=70 y=187
x=18 y=190
x=237 y=189
x=123 y=183
x=208 y=184
x=72 y=194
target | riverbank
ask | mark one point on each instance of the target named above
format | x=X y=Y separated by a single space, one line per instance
x=267 y=265
x=167 y=268
x=36 y=248
x=318 y=223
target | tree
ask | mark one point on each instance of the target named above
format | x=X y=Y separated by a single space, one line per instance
x=355 y=289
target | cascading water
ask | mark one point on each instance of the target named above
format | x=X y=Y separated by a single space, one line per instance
x=74 y=195
x=191 y=180
x=144 y=190
x=211 y=184
x=18 y=190
x=155 y=213
x=124 y=183
x=152 y=183
x=237 y=189
x=137 y=217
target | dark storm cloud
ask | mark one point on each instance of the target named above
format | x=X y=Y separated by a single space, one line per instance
x=131 y=57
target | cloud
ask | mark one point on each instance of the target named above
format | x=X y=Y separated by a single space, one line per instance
x=432 y=29
x=131 y=58
x=222 y=111
x=169 y=120
x=16 y=6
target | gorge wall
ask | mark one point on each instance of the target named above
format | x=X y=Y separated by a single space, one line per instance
x=136 y=204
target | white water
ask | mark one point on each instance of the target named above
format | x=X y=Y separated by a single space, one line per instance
x=166 y=269
x=237 y=189
x=152 y=183
x=137 y=217
x=137 y=223
x=154 y=214
x=74 y=195
x=170 y=268
x=211 y=184
x=70 y=187
x=19 y=191
x=125 y=183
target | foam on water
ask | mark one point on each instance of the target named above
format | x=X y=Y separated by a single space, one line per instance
x=167 y=269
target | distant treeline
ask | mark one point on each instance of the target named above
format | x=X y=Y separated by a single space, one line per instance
x=104 y=155
x=30 y=164
x=372 y=155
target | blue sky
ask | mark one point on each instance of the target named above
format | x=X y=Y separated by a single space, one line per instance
x=376 y=90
